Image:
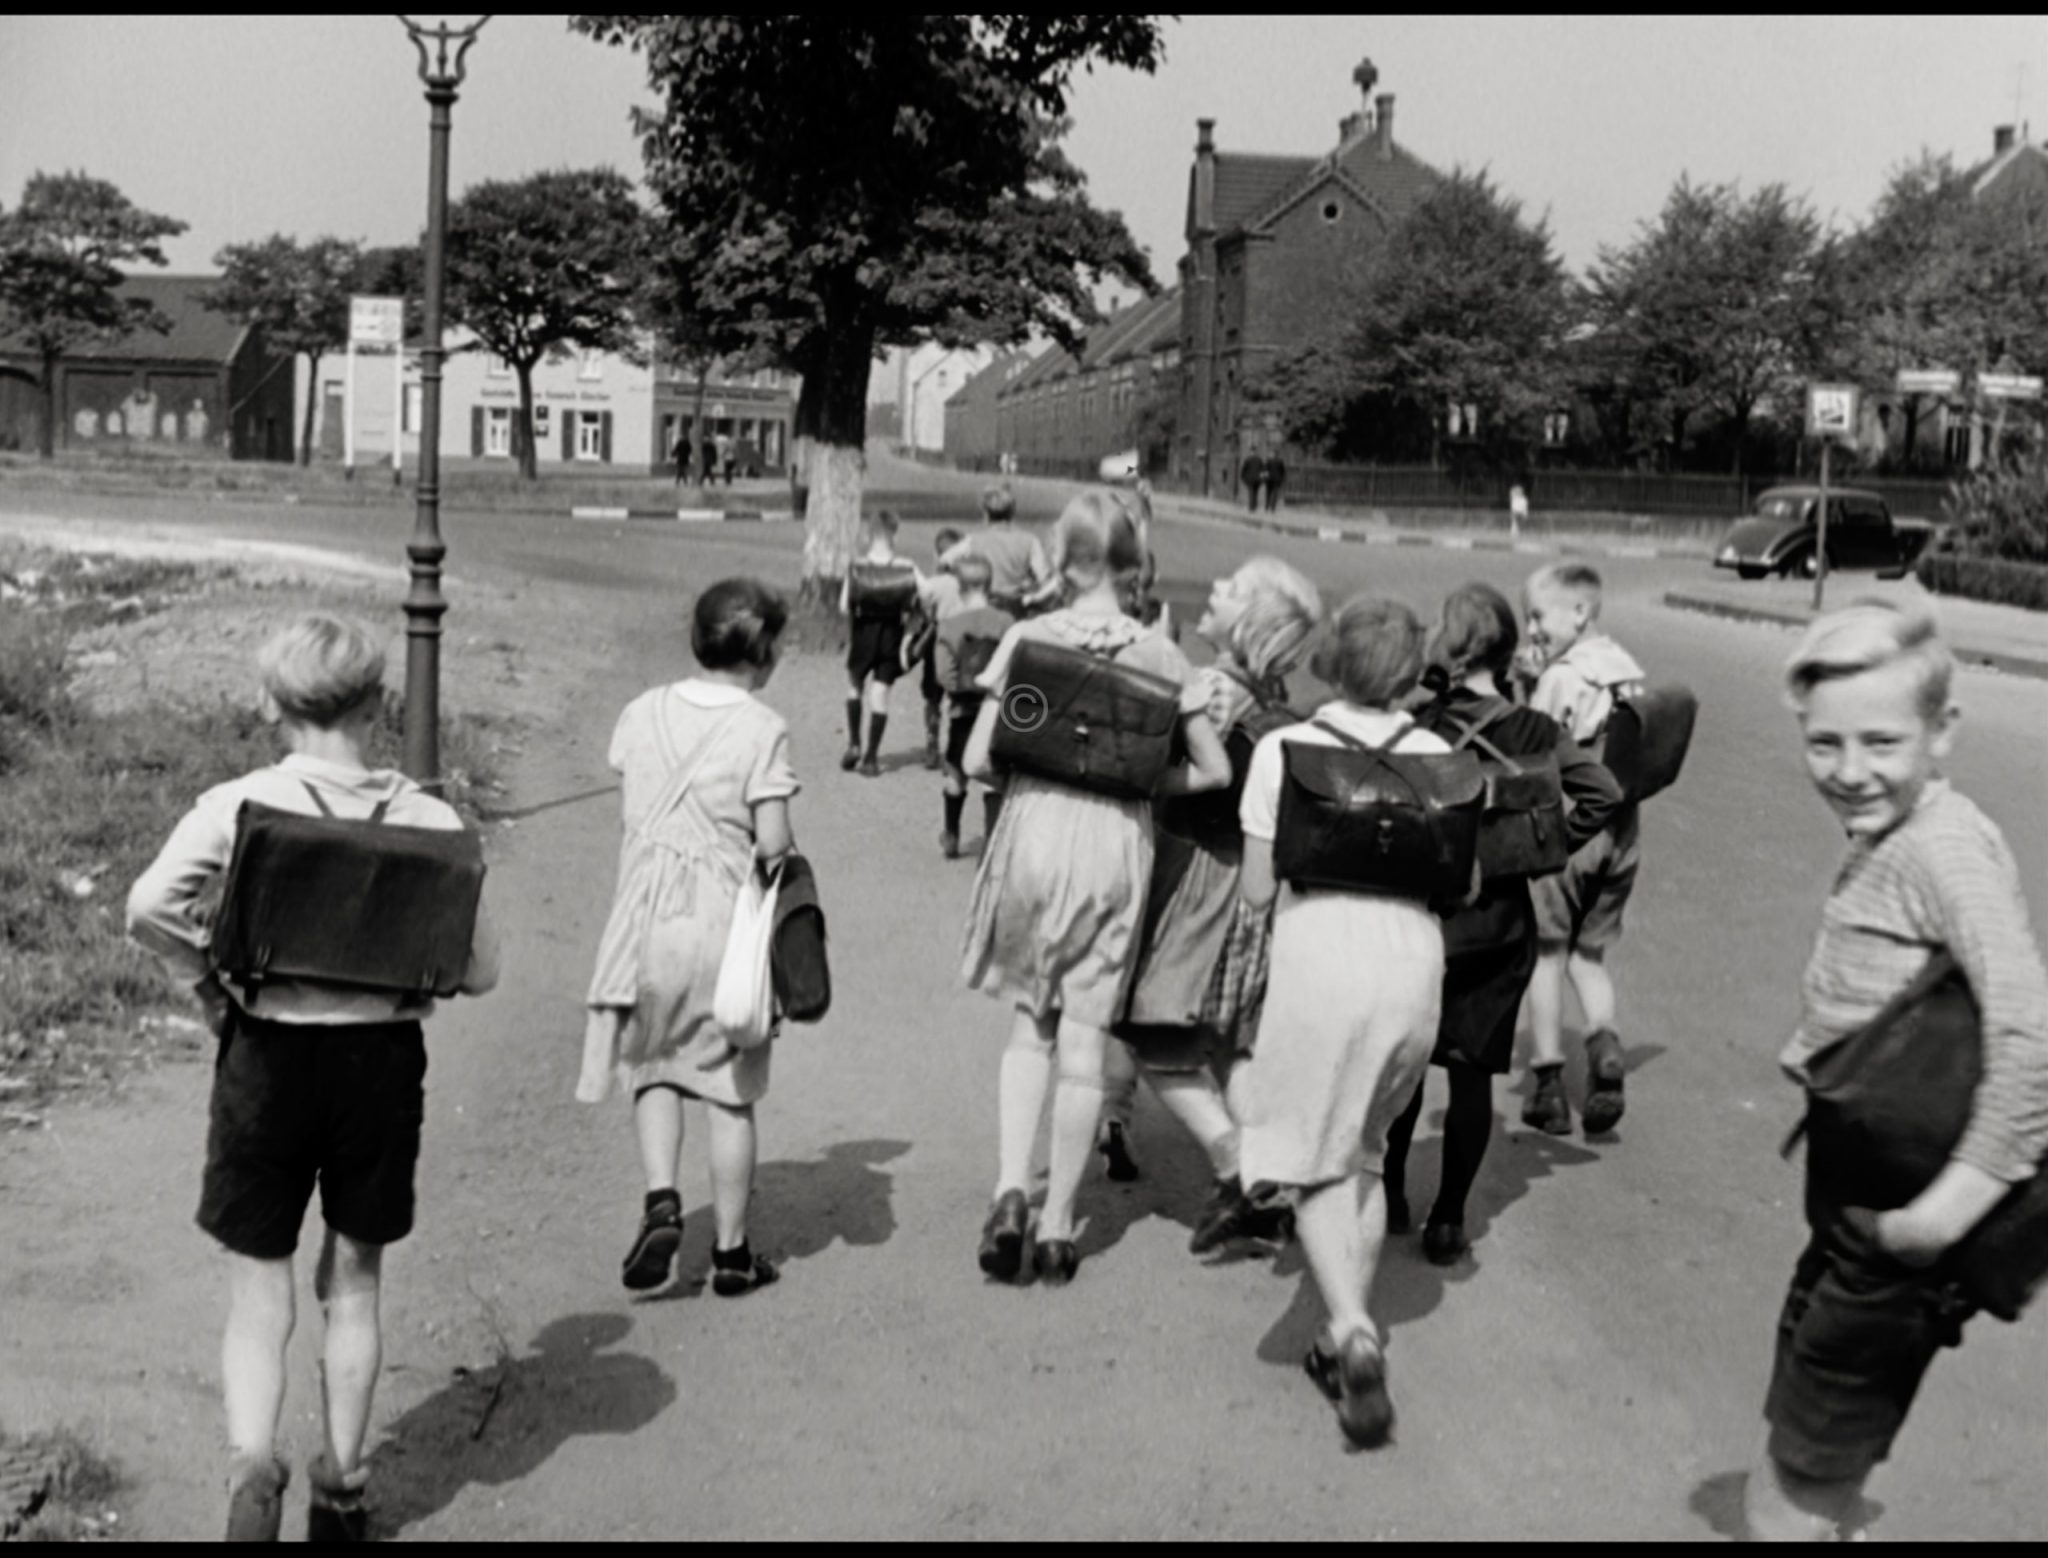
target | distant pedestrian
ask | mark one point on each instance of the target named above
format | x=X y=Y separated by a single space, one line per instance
x=707 y=787
x=1876 y=1297
x=680 y=453
x=707 y=470
x=1518 y=509
x=723 y=445
x=1276 y=478
x=323 y=1089
x=1253 y=475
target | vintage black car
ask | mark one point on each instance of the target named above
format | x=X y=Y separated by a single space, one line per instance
x=1779 y=536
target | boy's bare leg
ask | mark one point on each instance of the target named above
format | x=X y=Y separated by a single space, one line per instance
x=1020 y=1098
x=1194 y=1099
x=1546 y=1008
x=1780 y=1505
x=347 y=1282
x=260 y=1318
x=658 y=1121
x=734 y=1146
x=1594 y=987
x=1076 y=1112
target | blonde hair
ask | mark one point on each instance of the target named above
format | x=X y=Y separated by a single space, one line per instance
x=321 y=669
x=1374 y=652
x=1097 y=539
x=1580 y=581
x=1281 y=614
x=1868 y=635
x=974 y=573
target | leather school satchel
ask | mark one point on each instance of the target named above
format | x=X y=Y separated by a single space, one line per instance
x=797 y=962
x=364 y=903
x=1085 y=720
x=1521 y=829
x=1647 y=737
x=977 y=652
x=1358 y=817
x=1885 y=1109
x=1210 y=817
x=880 y=592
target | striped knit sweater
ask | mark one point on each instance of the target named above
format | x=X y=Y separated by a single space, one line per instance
x=1942 y=878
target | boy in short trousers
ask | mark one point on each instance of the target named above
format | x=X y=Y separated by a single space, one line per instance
x=323 y=1088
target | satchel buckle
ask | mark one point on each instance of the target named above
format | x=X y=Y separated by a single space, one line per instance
x=1081 y=733
x=1383 y=835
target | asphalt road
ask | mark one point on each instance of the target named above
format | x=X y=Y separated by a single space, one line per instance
x=1595 y=1373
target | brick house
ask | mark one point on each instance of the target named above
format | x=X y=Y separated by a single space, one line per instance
x=209 y=382
x=971 y=441
x=1274 y=244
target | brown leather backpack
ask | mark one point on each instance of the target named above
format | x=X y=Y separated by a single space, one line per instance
x=881 y=592
x=1647 y=737
x=1521 y=830
x=1365 y=818
x=360 y=903
x=1085 y=720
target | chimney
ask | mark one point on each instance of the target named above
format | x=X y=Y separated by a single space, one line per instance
x=1383 y=125
x=2001 y=140
x=1205 y=176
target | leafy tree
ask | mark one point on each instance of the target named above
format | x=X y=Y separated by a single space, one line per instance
x=543 y=265
x=61 y=251
x=299 y=293
x=1468 y=306
x=688 y=333
x=843 y=182
x=1722 y=305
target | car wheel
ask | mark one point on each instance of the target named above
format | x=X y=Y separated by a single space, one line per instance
x=1749 y=571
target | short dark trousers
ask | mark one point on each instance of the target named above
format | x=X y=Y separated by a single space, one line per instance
x=876 y=650
x=962 y=711
x=1854 y=1341
x=296 y=1104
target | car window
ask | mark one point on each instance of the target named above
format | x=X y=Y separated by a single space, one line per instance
x=1786 y=510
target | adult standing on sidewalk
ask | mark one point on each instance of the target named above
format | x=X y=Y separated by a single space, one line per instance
x=1276 y=477
x=1253 y=474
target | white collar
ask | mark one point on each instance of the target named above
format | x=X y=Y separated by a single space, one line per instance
x=709 y=695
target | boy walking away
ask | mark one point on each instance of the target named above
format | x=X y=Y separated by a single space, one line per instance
x=878 y=595
x=1578 y=910
x=966 y=644
x=314 y=1083
x=1873 y=1299
x=938 y=598
x=1022 y=579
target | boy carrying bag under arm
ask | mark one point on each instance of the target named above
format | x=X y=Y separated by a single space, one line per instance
x=319 y=1080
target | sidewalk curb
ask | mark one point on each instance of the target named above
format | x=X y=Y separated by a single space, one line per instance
x=680 y=516
x=1778 y=616
x=1528 y=548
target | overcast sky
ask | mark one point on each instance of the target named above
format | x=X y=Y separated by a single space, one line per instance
x=307 y=125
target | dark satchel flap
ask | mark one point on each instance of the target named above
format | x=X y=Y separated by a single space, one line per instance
x=976 y=651
x=1886 y=1108
x=1211 y=816
x=358 y=903
x=1648 y=735
x=1085 y=720
x=1359 y=817
x=1522 y=829
x=881 y=591
x=796 y=958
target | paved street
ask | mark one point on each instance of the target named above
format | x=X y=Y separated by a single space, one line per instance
x=1596 y=1373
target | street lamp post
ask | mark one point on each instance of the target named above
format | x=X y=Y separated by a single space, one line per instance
x=424 y=604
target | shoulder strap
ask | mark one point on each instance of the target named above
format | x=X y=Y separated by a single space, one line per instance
x=1401 y=729
x=1473 y=734
x=682 y=775
x=320 y=804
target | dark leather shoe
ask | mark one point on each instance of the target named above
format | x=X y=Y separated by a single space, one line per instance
x=1115 y=1148
x=1364 y=1410
x=1002 y=1236
x=1606 y=1067
x=1445 y=1244
x=1227 y=1216
x=1057 y=1261
x=1321 y=1367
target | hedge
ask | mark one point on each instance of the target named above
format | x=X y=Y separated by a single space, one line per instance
x=1991 y=579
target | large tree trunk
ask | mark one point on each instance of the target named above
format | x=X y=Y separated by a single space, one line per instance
x=46 y=442
x=522 y=425
x=312 y=405
x=838 y=457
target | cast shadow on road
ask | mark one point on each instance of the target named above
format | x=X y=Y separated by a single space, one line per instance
x=1408 y=1287
x=497 y=1426
x=800 y=1210
x=1173 y=1179
x=1718 y=1502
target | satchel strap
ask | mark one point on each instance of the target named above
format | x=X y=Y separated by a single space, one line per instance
x=1473 y=734
x=1383 y=749
x=320 y=804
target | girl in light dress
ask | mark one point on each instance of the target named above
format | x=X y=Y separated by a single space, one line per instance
x=707 y=786
x=1059 y=899
x=1350 y=1016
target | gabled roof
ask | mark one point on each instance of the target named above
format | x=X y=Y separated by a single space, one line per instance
x=990 y=382
x=2020 y=167
x=197 y=333
x=1389 y=185
x=1134 y=331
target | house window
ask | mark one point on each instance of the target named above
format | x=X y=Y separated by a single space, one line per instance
x=498 y=431
x=1956 y=443
x=1331 y=211
x=590 y=435
x=497 y=367
x=592 y=365
x=541 y=423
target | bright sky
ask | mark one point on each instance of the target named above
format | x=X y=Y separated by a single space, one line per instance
x=308 y=125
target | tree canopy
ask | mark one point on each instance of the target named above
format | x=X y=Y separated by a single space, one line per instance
x=299 y=293
x=840 y=182
x=544 y=264
x=61 y=251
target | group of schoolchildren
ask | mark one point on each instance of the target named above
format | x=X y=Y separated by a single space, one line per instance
x=1184 y=929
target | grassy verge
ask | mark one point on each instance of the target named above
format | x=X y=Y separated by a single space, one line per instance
x=54 y=1487
x=88 y=797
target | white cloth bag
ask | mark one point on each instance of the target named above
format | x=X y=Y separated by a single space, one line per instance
x=743 y=1005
